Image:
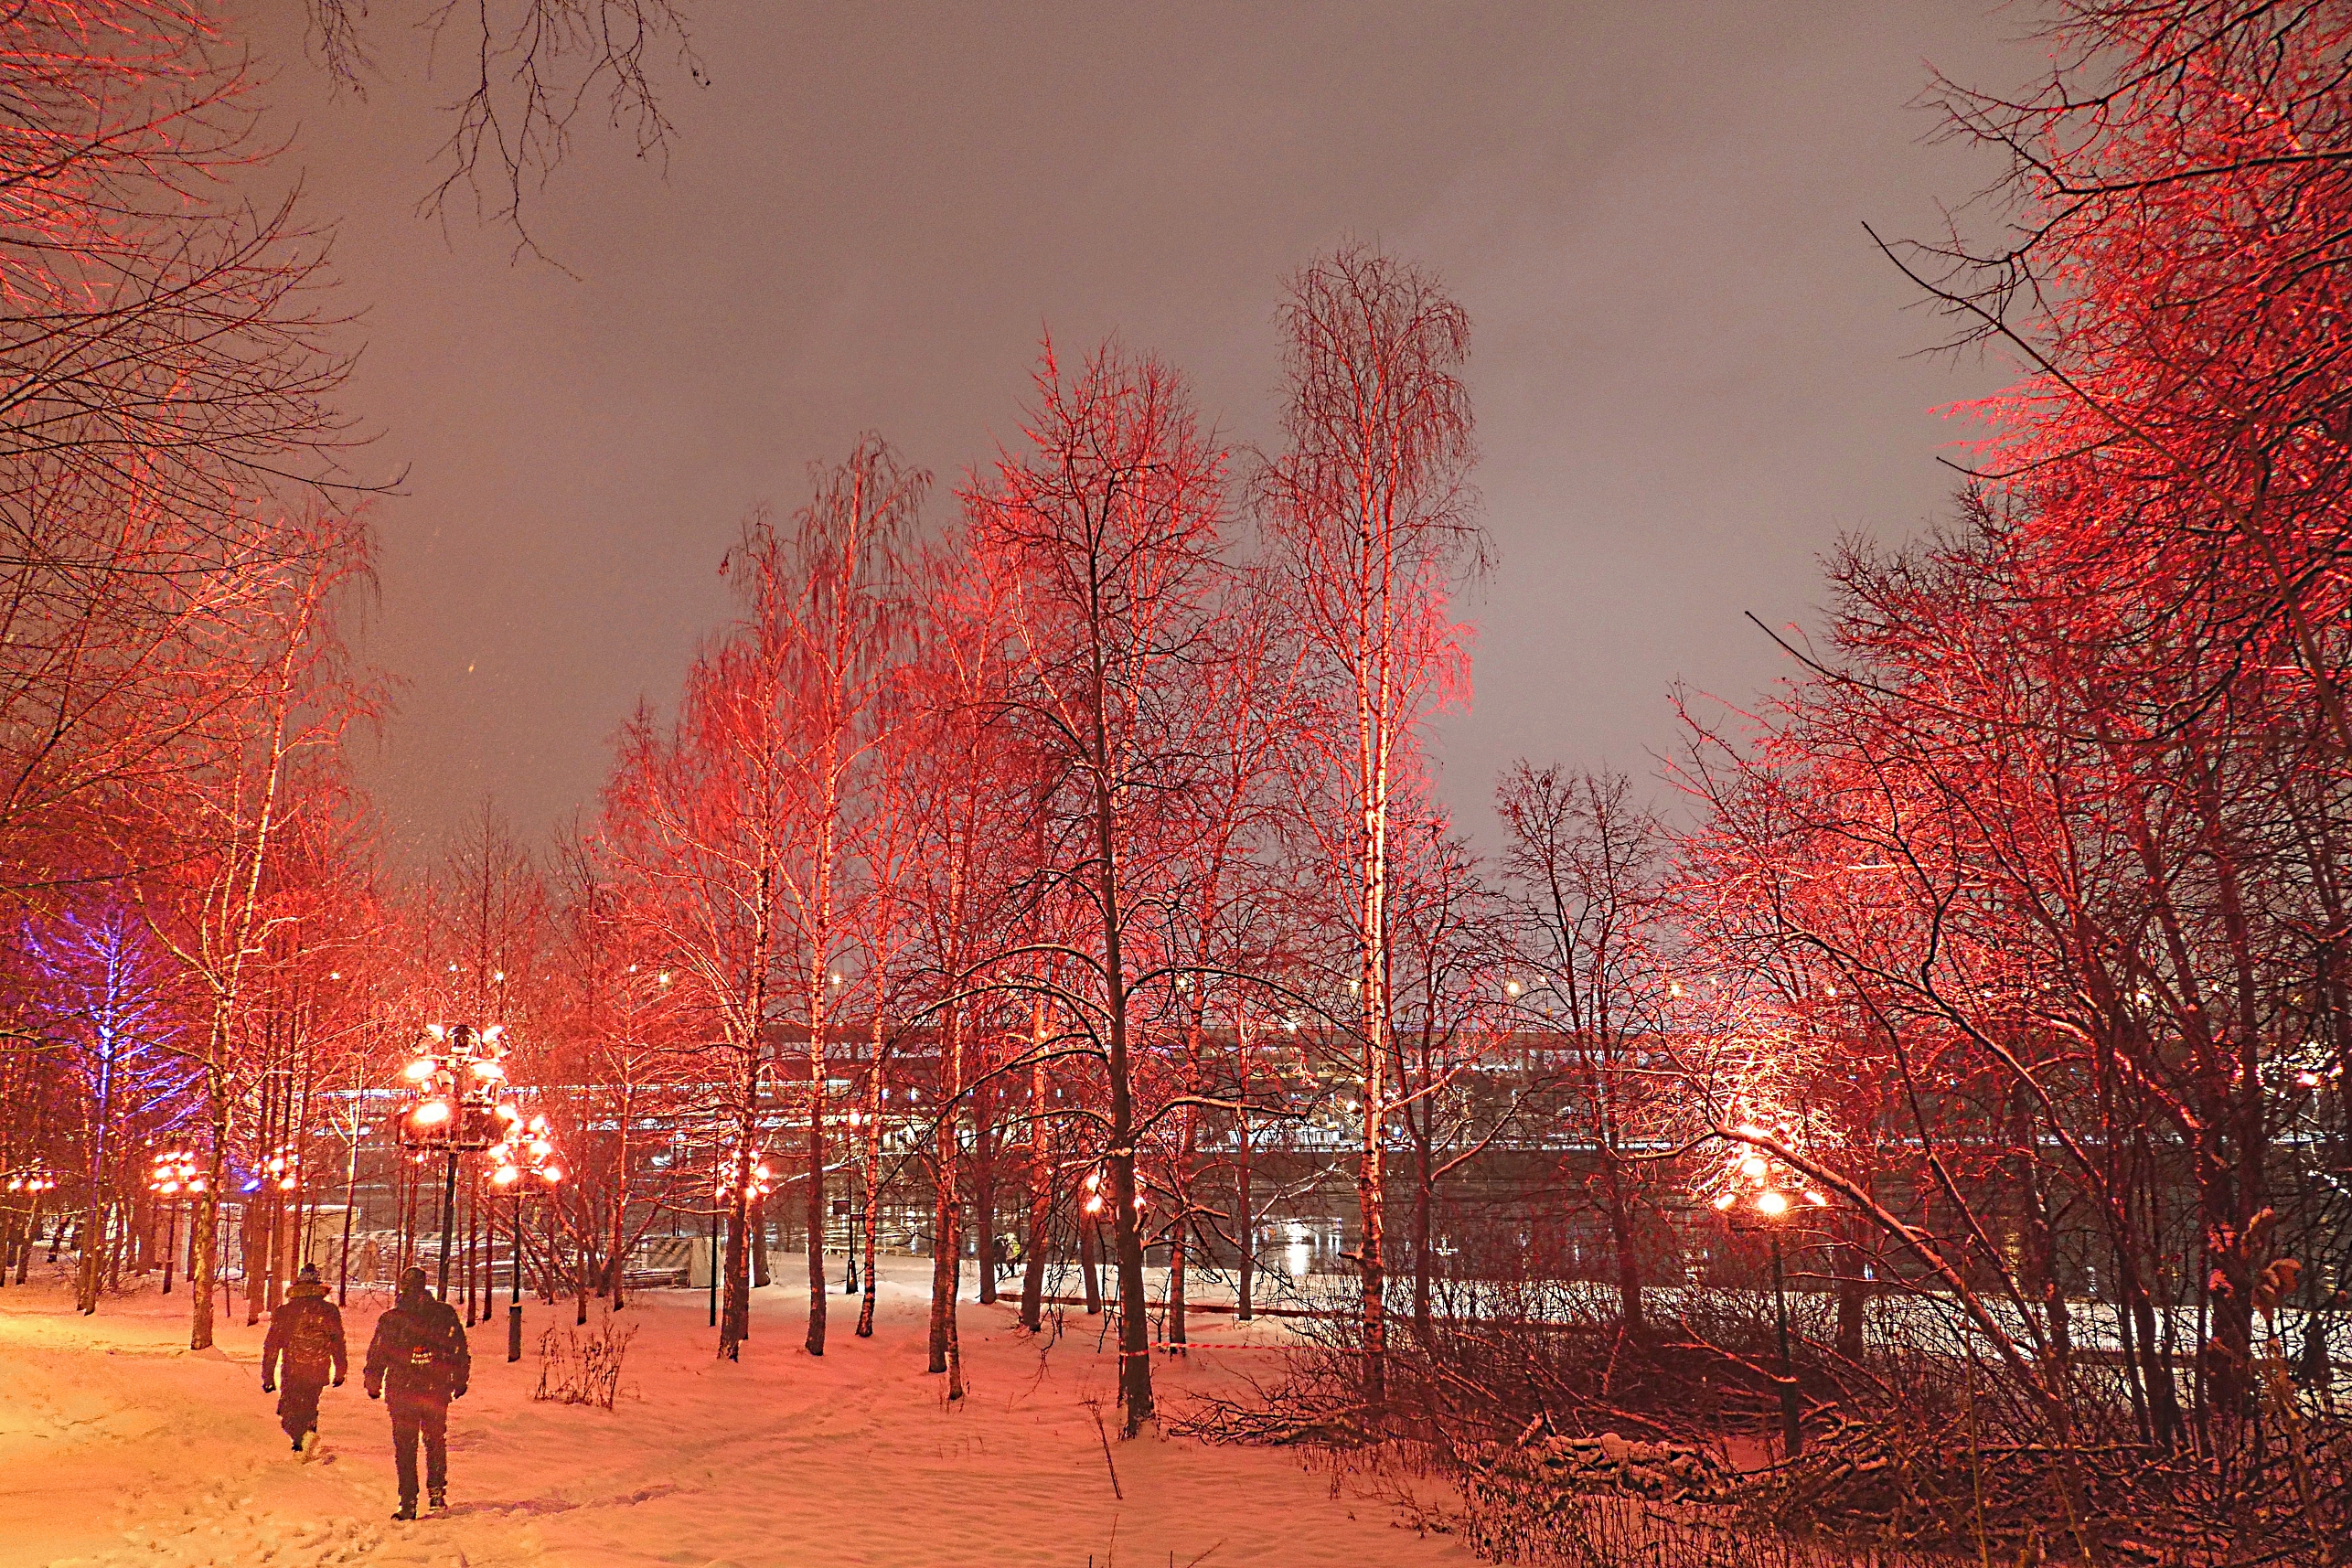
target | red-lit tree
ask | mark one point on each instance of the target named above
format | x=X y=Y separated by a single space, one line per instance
x=1104 y=536
x=1588 y=877
x=699 y=825
x=1367 y=512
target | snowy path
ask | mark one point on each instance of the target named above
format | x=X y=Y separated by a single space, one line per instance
x=119 y=1446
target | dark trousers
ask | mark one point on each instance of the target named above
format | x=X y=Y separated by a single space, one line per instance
x=412 y=1418
x=298 y=1405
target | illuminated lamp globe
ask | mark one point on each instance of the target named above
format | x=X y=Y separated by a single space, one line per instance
x=553 y=1173
x=432 y=1114
x=1752 y=1166
x=419 y=1070
x=1725 y=1200
x=504 y=1176
x=1771 y=1201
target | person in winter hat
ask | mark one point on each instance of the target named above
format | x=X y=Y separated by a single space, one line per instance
x=303 y=1350
x=417 y=1363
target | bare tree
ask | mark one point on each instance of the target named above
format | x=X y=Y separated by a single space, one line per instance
x=1368 y=511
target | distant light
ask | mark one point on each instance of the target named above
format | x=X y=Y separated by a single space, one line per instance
x=1725 y=1200
x=499 y=977
x=665 y=976
x=1818 y=1200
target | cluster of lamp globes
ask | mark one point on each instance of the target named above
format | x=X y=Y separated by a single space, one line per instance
x=1765 y=1184
x=37 y=1179
x=1094 y=1195
x=757 y=1181
x=176 y=1172
x=279 y=1171
x=466 y=1076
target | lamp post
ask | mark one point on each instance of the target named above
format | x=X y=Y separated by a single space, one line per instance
x=176 y=1173
x=34 y=1179
x=458 y=1080
x=529 y=1150
x=857 y=1210
x=1770 y=1187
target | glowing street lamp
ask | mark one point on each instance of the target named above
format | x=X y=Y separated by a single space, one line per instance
x=176 y=1176
x=525 y=1156
x=1768 y=1186
x=458 y=1107
x=728 y=1194
x=281 y=1172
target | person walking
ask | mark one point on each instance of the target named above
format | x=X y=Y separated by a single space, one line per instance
x=417 y=1363
x=304 y=1348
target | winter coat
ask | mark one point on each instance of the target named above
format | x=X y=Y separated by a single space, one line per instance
x=419 y=1355
x=307 y=1335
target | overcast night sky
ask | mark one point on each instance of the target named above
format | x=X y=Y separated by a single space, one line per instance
x=1692 y=370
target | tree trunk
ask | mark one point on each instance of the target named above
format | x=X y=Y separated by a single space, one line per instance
x=947 y=1240
x=1089 y=1268
x=814 y=1340
x=984 y=1187
x=1245 y=1220
x=1424 y=1201
x=1620 y=1231
x=1040 y=1181
x=759 y=1242
x=873 y=1154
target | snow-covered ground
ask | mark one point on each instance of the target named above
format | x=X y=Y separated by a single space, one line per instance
x=118 y=1446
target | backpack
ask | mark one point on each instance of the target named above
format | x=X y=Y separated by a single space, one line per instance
x=313 y=1341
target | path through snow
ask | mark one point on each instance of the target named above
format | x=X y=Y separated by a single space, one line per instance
x=120 y=1447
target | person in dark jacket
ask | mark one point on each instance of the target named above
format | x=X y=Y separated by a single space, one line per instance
x=303 y=1350
x=417 y=1363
